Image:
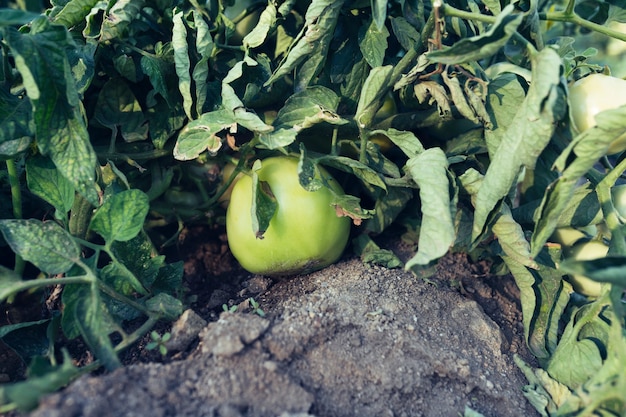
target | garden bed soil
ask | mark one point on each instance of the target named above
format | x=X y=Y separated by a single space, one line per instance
x=350 y=340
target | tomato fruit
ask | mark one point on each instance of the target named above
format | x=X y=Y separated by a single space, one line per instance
x=587 y=251
x=592 y=95
x=305 y=233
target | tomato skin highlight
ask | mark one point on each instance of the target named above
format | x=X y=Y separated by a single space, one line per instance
x=592 y=95
x=587 y=251
x=305 y=234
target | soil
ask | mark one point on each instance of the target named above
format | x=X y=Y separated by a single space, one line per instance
x=350 y=340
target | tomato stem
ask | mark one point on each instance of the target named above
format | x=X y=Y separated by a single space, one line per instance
x=16 y=201
x=572 y=17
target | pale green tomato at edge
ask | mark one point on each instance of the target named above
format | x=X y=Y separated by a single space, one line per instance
x=305 y=234
x=592 y=95
x=587 y=251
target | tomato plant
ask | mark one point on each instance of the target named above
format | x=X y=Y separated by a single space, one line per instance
x=304 y=234
x=586 y=251
x=118 y=120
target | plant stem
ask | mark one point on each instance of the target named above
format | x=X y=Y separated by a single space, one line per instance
x=568 y=15
x=572 y=17
x=16 y=200
x=448 y=10
x=80 y=216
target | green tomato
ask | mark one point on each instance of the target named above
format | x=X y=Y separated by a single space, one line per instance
x=305 y=234
x=593 y=94
x=587 y=251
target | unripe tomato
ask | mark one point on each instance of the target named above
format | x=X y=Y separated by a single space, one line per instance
x=567 y=236
x=587 y=251
x=592 y=95
x=305 y=234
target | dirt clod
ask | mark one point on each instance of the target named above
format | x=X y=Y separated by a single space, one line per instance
x=351 y=340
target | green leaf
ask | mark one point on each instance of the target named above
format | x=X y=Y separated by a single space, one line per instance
x=10 y=284
x=169 y=278
x=118 y=106
x=121 y=279
x=429 y=170
x=27 y=339
x=121 y=216
x=93 y=320
x=379 y=13
x=405 y=33
x=16 y=17
x=371 y=253
x=351 y=166
x=264 y=203
x=575 y=359
x=164 y=122
x=45 y=181
x=387 y=208
x=165 y=305
x=26 y=394
x=309 y=107
x=371 y=97
x=182 y=61
x=140 y=257
x=15 y=124
x=74 y=12
x=312 y=48
x=47 y=245
x=120 y=15
x=509 y=233
x=201 y=135
x=257 y=36
x=544 y=296
x=201 y=71
x=278 y=138
x=158 y=69
x=482 y=46
x=373 y=42
x=527 y=135
x=406 y=141
x=40 y=57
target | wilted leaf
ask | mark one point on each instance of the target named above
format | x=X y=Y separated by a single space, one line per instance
x=527 y=136
x=264 y=204
x=201 y=135
x=429 y=170
x=482 y=46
